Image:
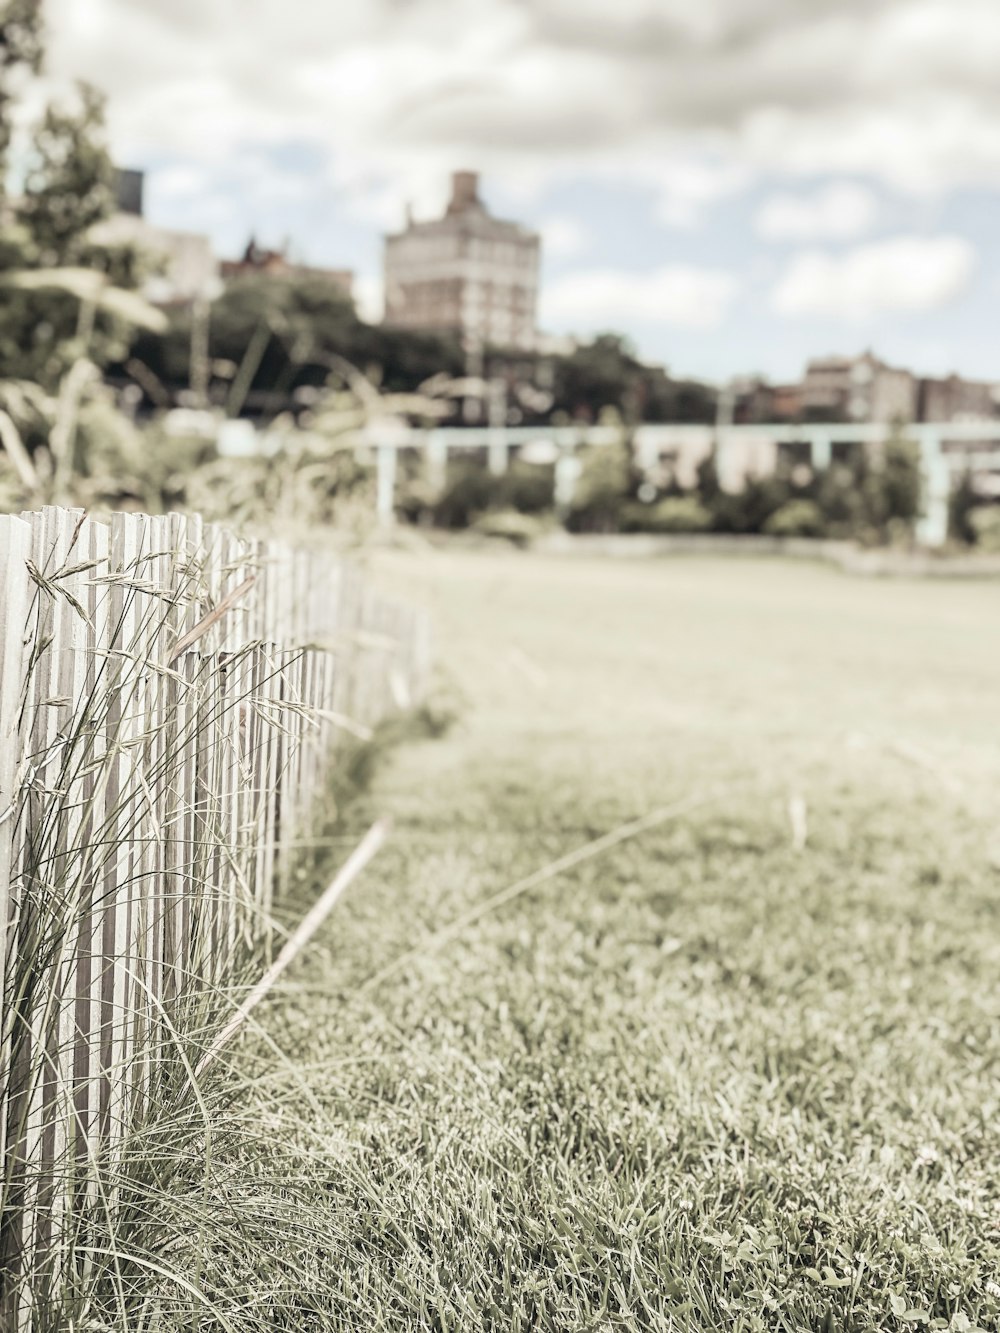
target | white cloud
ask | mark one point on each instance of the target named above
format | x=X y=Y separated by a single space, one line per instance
x=687 y=185
x=905 y=90
x=592 y=299
x=906 y=273
x=840 y=211
x=564 y=237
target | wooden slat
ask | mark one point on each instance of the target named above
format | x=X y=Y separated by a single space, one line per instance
x=157 y=810
x=15 y=548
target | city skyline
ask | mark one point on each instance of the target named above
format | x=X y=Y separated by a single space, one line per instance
x=816 y=204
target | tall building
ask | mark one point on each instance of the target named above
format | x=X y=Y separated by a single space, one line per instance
x=466 y=272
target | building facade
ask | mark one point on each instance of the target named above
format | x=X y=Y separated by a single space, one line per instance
x=275 y=263
x=186 y=266
x=467 y=273
x=957 y=399
x=184 y=263
x=860 y=388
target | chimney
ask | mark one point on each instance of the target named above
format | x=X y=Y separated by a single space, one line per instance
x=464 y=191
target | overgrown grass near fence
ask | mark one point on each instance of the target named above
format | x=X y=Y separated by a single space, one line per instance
x=170 y=699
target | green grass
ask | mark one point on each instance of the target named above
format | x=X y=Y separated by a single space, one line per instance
x=707 y=1080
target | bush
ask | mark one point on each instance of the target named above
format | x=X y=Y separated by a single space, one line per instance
x=676 y=513
x=511 y=525
x=749 y=510
x=796 y=518
x=840 y=500
x=472 y=490
x=601 y=491
x=985 y=523
x=963 y=502
x=528 y=487
x=469 y=491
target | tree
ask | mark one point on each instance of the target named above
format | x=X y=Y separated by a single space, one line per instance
x=67 y=294
x=901 y=481
x=708 y=486
x=601 y=491
x=963 y=500
x=277 y=333
x=603 y=373
x=20 y=54
x=69 y=187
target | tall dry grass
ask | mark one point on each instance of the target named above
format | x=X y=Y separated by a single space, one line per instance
x=173 y=697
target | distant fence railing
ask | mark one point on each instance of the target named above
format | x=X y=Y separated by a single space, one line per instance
x=170 y=696
x=947 y=450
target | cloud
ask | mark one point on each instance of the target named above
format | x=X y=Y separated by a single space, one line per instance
x=564 y=237
x=905 y=90
x=681 y=295
x=839 y=211
x=906 y=273
x=687 y=185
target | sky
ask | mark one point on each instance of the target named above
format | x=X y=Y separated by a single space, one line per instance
x=737 y=185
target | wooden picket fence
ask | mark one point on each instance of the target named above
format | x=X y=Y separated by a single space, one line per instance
x=171 y=698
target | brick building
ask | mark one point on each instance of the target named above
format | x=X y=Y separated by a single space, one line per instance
x=956 y=399
x=859 y=388
x=466 y=272
x=256 y=259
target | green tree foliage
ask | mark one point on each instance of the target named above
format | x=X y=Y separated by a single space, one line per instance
x=289 y=332
x=20 y=53
x=603 y=373
x=673 y=514
x=68 y=312
x=749 y=510
x=602 y=490
x=796 y=518
x=900 y=484
x=470 y=491
x=607 y=373
x=69 y=186
x=528 y=488
x=962 y=502
x=708 y=486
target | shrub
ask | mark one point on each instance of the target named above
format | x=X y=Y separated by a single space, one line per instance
x=796 y=518
x=900 y=481
x=676 y=513
x=470 y=490
x=748 y=510
x=600 y=492
x=528 y=487
x=517 y=528
x=840 y=500
x=962 y=503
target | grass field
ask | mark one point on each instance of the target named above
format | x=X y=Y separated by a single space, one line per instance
x=736 y=1072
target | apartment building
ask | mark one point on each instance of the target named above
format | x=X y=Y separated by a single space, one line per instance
x=466 y=272
x=957 y=399
x=860 y=388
